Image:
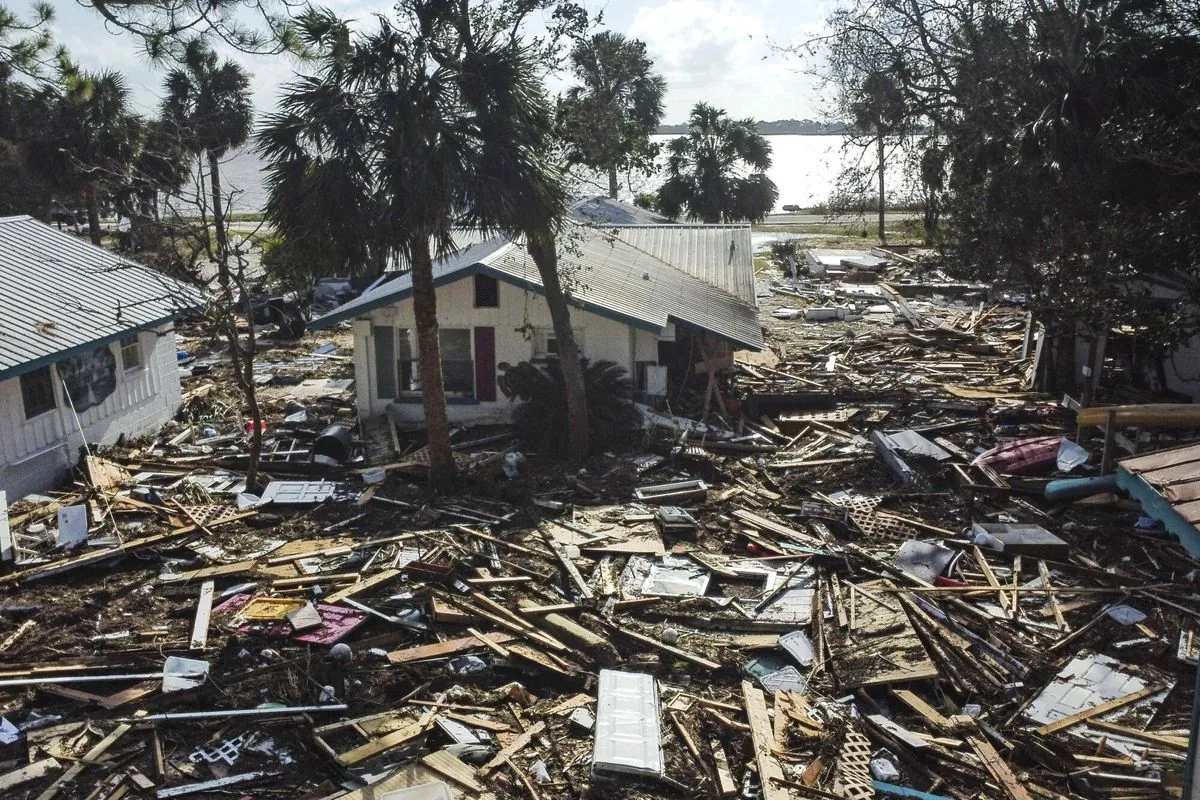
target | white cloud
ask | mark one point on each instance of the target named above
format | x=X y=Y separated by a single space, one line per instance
x=720 y=51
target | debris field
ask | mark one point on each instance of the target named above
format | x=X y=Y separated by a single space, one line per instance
x=847 y=583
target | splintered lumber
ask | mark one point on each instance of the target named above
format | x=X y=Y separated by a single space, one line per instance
x=363 y=585
x=442 y=649
x=725 y=785
x=478 y=722
x=897 y=732
x=999 y=770
x=764 y=524
x=488 y=643
x=1055 y=609
x=1162 y=740
x=883 y=648
x=88 y=758
x=770 y=773
x=203 y=612
x=385 y=742
x=17 y=634
x=515 y=746
x=600 y=647
x=569 y=566
x=931 y=715
x=1097 y=710
x=666 y=648
x=38 y=769
x=451 y=767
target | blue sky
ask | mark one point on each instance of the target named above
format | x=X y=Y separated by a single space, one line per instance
x=713 y=50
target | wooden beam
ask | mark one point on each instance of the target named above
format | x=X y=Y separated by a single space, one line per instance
x=442 y=649
x=675 y=651
x=998 y=769
x=203 y=612
x=1055 y=609
x=32 y=772
x=1103 y=708
x=769 y=771
x=725 y=785
x=572 y=571
x=515 y=746
x=386 y=742
x=1162 y=740
x=449 y=766
x=362 y=586
x=931 y=714
x=88 y=758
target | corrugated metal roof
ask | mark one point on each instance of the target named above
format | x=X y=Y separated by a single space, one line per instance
x=604 y=273
x=606 y=210
x=1167 y=484
x=722 y=255
x=59 y=294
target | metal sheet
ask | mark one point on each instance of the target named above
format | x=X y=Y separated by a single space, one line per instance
x=628 y=724
x=59 y=293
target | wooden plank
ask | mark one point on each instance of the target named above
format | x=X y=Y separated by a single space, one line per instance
x=764 y=524
x=998 y=769
x=725 y=785
x=515 y=746
x=1103 y=708
x=452 y=768
x=32 y=772
x=572 y=571
x=675 y=651
x=203 y=612
x=386 y=742
x=489 y=644
x=931 y=714
x=990 y=577
x=1162 y=740
x=897 y=731
x=88 y=758
x=362 y=586
x=1055 y=609
x=883 y=649
x=441 y=649
x=479 y=722
x=131 y=694
x=770 y=774
x=18 y=633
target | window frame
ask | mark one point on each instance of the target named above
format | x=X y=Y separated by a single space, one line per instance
x=495 y=284
x=136 y=341
x=407 y=380
x=541 y=341
x=48 y=370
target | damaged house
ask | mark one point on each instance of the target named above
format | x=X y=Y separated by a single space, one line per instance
x=87 y=351
x=659 y=300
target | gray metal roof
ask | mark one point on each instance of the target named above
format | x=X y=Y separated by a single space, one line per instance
x=605 y=210
x=722 y=255
x=605 y=274
x=60 y=295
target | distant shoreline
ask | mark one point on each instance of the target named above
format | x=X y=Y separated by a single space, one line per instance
x=781 y=128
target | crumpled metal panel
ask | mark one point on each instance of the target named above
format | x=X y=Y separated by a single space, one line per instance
x=628 y=724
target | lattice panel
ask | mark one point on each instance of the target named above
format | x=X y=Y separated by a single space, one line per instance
x=863 y=503
x=211 y=514
x=853 y=772
x=882 y=528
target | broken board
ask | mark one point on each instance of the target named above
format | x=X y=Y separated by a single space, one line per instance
x=882 y=649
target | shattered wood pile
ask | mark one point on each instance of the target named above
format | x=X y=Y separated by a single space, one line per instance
x=793 y=606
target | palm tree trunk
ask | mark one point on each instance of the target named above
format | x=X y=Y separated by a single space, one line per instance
x=882 y=204
x=542 y=249
x=429 y=354
x=614 y=186
x=214 y=175
x=93 y=212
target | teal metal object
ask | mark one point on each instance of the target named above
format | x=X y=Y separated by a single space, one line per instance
x=903 y=791
x=1157 y=506
x=1067 y=490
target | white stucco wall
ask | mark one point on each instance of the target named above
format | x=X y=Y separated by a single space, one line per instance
x=35 y=454
x=602 y=339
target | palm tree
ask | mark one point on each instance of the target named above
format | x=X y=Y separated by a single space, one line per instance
x=208 y=102
x=878 y=107
x=717 y=170
x=97 y=135
x=433 y=122
x=608 y=121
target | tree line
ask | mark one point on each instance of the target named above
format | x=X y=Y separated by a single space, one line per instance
x=389 y=138
x=1057 y=146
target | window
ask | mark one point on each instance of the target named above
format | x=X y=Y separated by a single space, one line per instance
x=545 y=344
x=131 y=353
x=37 y=392
x=458 y=367
x=407 y=368
x=487 y=292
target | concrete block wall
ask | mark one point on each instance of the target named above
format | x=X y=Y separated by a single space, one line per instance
x=36 y=454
